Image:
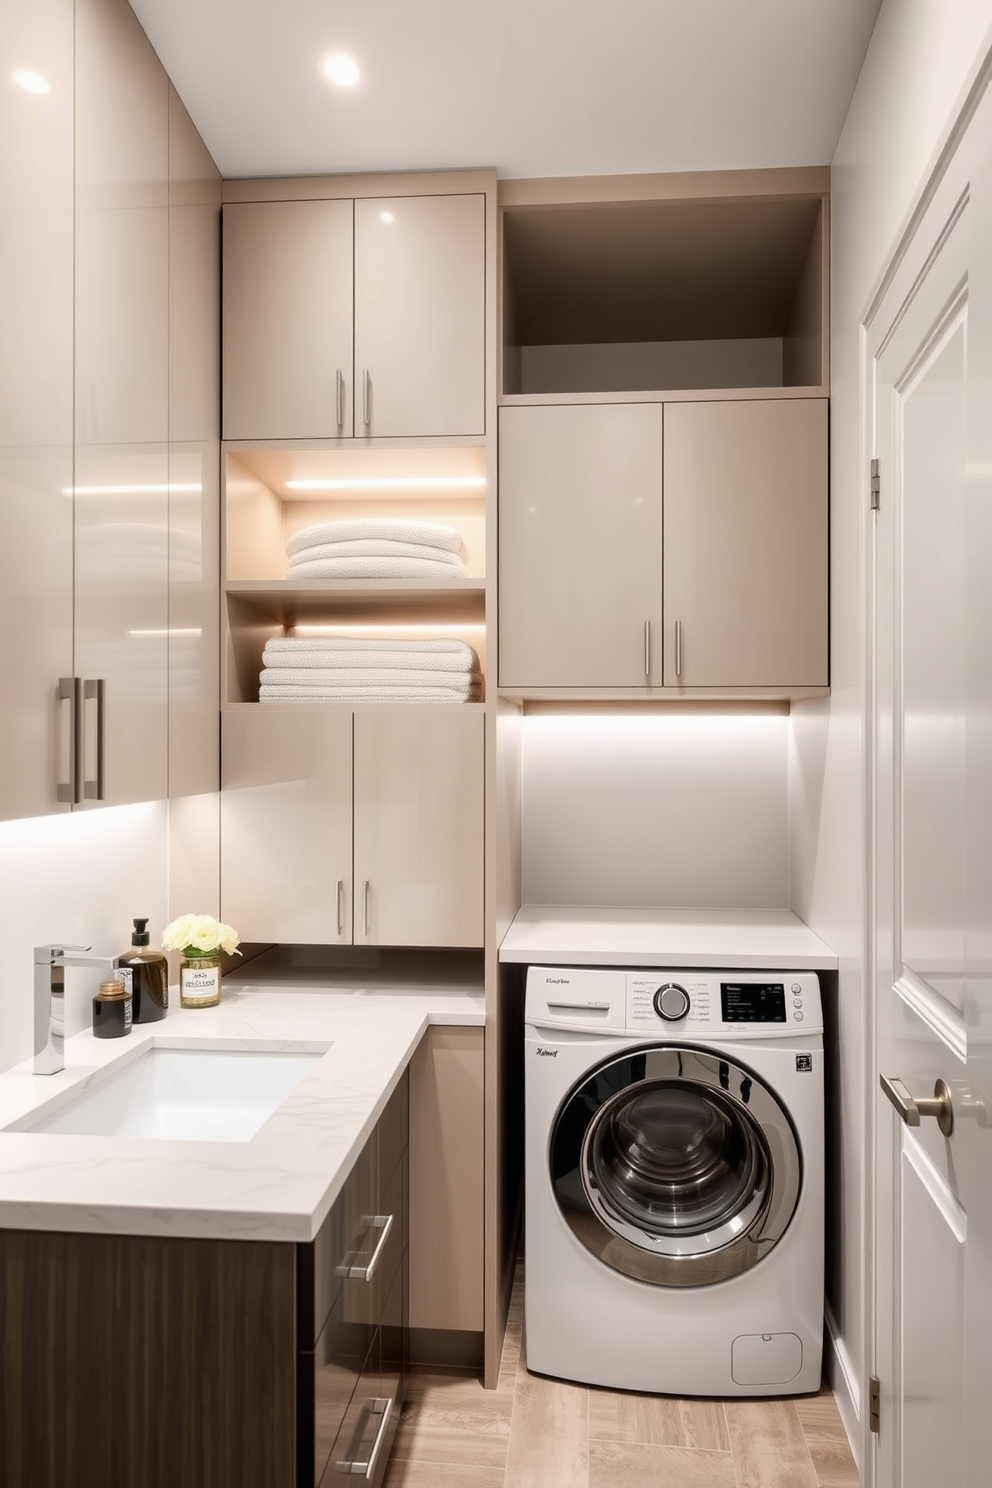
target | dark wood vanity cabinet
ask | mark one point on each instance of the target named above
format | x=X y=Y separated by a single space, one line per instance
x=131 y=1360
x=353 y=1302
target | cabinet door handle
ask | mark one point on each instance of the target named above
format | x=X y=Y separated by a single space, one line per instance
x=365 y=906
x=377 y=1405
x=95 y=690
x=340 y=906
x=366 y=397
x=381 y=1222
x=678 y=648
x=647 y=648
x=69 y=692
x=339 y=398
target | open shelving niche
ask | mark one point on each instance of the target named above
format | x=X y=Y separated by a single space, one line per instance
x=708 y=285
x=272 y=492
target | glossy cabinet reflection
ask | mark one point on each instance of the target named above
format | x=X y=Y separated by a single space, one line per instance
x=395 y=858
x=194 y=459
x=109 y=210
x=664 y=546
x=354 y=318
x=35 y=404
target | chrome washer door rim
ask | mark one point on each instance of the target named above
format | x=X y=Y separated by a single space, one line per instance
x=750 y=1202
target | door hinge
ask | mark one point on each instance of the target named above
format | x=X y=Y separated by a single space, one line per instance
x=874 y=1402
x=876 y=485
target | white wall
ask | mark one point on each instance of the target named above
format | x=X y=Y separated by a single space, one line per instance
x=917 y=65
x=83 y=878
x=676 y=809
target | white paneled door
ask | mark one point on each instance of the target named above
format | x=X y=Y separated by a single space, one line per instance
x=930 y=389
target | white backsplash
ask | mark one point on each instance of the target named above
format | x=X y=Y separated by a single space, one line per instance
x=81 y=877
x=683 y=810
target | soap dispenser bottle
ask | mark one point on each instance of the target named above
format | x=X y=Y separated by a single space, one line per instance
x=149 y=976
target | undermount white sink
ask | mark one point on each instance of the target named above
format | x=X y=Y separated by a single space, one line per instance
x=182 y=1095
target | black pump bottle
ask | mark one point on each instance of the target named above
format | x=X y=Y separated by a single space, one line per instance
x=149 y=976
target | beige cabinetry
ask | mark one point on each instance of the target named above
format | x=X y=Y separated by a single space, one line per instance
x=664 y=546
x=393 y=856
x=86 y=418
x=745 y=550
x=580 y=541
x=354 y=317
x=447 y=1144
x=36 y=402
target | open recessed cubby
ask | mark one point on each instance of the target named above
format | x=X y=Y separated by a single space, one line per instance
x=659 y=295
x=273 y=493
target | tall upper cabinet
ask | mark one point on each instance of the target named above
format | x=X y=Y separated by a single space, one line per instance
x=109 y=466
x=358 y=389
x=663 y=437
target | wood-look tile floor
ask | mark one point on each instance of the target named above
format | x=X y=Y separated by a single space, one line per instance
x=533 y=1432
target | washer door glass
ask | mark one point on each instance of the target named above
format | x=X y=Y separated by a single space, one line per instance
x=675 y=1166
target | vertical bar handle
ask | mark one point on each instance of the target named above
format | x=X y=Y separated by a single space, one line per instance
x=365 y=906
x=647 y=648
x=68 y=692
x=95 y=690
x=678 y=648
x=340 y=906
x=366 y=397
x=339 y=398
x=381 y=1406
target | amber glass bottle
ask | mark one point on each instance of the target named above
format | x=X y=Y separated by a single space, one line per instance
x=149 y=976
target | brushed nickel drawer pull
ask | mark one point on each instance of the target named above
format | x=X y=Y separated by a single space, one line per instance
x=69 y=692
x=377 y=1405
x=382 y=1222
x=366 y=397
x=339 y=398
x=647 y=648
x=340 y=906
x=912 y=1107
x=678 y=648
x=95 y=690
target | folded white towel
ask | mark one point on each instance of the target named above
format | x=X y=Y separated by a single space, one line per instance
x=431 y=534
x=440 y=646
x=377 y=568
x=384 y=548
x=364 y=677
x=369 y=694
x=454 y=662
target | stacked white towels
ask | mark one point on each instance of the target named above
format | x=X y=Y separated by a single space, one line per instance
x=377 y=548
x=359 y=669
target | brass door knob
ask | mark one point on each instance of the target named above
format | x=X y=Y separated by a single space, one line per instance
x=913 y=1108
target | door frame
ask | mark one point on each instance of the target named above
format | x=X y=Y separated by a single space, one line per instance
x=893 y=287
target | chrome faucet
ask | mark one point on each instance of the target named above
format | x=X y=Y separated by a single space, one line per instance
x=49 y=1000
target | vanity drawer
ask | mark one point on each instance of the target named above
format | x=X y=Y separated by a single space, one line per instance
x=326 y=1380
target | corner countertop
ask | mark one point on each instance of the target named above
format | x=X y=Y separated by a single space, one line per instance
x=597 y=935
x=277 y=1186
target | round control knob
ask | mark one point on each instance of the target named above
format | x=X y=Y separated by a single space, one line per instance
x=671 y=1002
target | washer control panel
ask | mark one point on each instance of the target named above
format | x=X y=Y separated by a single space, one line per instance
x=664 y=1002
x=750 y=1004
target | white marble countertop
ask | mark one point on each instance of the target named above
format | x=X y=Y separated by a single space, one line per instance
x=594 y=935
x=277 y=1186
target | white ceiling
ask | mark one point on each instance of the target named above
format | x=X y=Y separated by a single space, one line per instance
x=532 y=87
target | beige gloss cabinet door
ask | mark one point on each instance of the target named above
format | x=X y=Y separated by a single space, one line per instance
x=194 y=464
x=746 y=544
x=419 y=844
x=286 y=823
x=420 y=300
x=580 y=535
x=36 y=399
x=287 y=320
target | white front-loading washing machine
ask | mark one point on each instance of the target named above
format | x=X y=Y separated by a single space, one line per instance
x=674 y=1179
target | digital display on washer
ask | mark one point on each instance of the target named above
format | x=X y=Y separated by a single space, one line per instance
x=753 y=1002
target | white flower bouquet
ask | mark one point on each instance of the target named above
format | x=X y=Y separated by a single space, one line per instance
x=200 y=935
x=200 y=939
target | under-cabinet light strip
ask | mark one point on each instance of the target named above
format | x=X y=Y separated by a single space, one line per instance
x=345 y=629
x=392 y=483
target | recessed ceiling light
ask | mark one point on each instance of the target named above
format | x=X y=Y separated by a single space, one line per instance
x=342 y=70
x=32 y=82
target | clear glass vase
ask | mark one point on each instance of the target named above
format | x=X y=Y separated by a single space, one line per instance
x=199 y=981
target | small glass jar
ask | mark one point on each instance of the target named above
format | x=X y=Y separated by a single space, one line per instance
x=199 y=981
